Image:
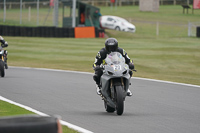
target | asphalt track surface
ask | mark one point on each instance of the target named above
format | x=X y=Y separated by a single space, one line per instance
x=155 y=107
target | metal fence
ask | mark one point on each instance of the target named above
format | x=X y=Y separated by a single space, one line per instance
x=44 y=3
x=156 y=28
x=135 y=2
x=45 y=18
x=28 y=13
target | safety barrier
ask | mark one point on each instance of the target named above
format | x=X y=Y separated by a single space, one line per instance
x=198 y=32
x=30 y=124
x=41 y=31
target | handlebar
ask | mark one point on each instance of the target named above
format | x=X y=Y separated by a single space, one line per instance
x=102 y=67
x=134 y=70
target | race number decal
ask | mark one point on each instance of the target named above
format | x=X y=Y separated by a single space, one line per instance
x=117 y=67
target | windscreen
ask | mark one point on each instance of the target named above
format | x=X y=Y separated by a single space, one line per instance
x=1 y=48
x=114 y=58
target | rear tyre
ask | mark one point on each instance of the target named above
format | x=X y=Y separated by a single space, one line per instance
x=108 y=108
x=119 y=100
x=2 y=68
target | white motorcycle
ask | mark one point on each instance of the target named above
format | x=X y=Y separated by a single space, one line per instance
x=115 y=82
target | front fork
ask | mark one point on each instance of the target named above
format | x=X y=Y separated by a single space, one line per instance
x=2 y=58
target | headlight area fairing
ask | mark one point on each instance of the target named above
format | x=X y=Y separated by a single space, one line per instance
x=116 y=70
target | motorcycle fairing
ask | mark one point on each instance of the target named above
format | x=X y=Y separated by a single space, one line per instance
x=115 y=68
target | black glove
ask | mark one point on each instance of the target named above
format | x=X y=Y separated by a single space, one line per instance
x=131 y=66
x=4 y=43
x=97 y=68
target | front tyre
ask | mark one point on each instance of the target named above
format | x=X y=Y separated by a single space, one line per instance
x=119 y=100
x=2 y=72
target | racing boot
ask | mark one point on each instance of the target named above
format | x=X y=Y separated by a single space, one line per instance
x=6 y=66
x=98 y=89
x=129 y=93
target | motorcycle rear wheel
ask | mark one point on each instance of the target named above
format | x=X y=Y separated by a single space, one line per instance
x=119 y=100
x=2 y=68
x=108 y=108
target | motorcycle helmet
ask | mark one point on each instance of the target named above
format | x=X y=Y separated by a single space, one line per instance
x=111 y=45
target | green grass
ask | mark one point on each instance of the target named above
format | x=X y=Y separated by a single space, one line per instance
x=11 y=110
x=167 y=13
x=172 y=22
x=8 y=109
x=174 y=59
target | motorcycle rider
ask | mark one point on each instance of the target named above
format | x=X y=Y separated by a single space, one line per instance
x=3 y=45
x=111 y=45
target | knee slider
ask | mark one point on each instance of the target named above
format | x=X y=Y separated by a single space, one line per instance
x=6 y=52
x=131 y=73
x=95 y=77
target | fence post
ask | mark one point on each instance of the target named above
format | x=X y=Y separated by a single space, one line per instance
x=133 y=2
x=157 y=28
x=174 y=2
x=4 y=14
x=189 y=29
x=10 y=6
x=20 y=12
x=161 y=2
x=93 y=2
x=188 y=2
x=120 y=3
x=106 y=2
x=38 y=12
x=24 y=5
x=73 y=14
x=29 y=13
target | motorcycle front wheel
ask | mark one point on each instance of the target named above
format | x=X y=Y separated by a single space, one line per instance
x=119 y=100
x=2 y=68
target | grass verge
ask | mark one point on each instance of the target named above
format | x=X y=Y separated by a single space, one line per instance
x=171 y=59
x=8 y=109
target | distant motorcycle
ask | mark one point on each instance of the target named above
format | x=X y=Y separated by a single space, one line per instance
x=115 y=82
x=2 y=63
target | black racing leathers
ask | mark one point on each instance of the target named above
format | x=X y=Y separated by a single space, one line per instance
x=3 y=45
x=101 y=55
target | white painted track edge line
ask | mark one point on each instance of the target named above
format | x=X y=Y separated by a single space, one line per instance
x=155 y=80
x=77 y=128
x=169 y=82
